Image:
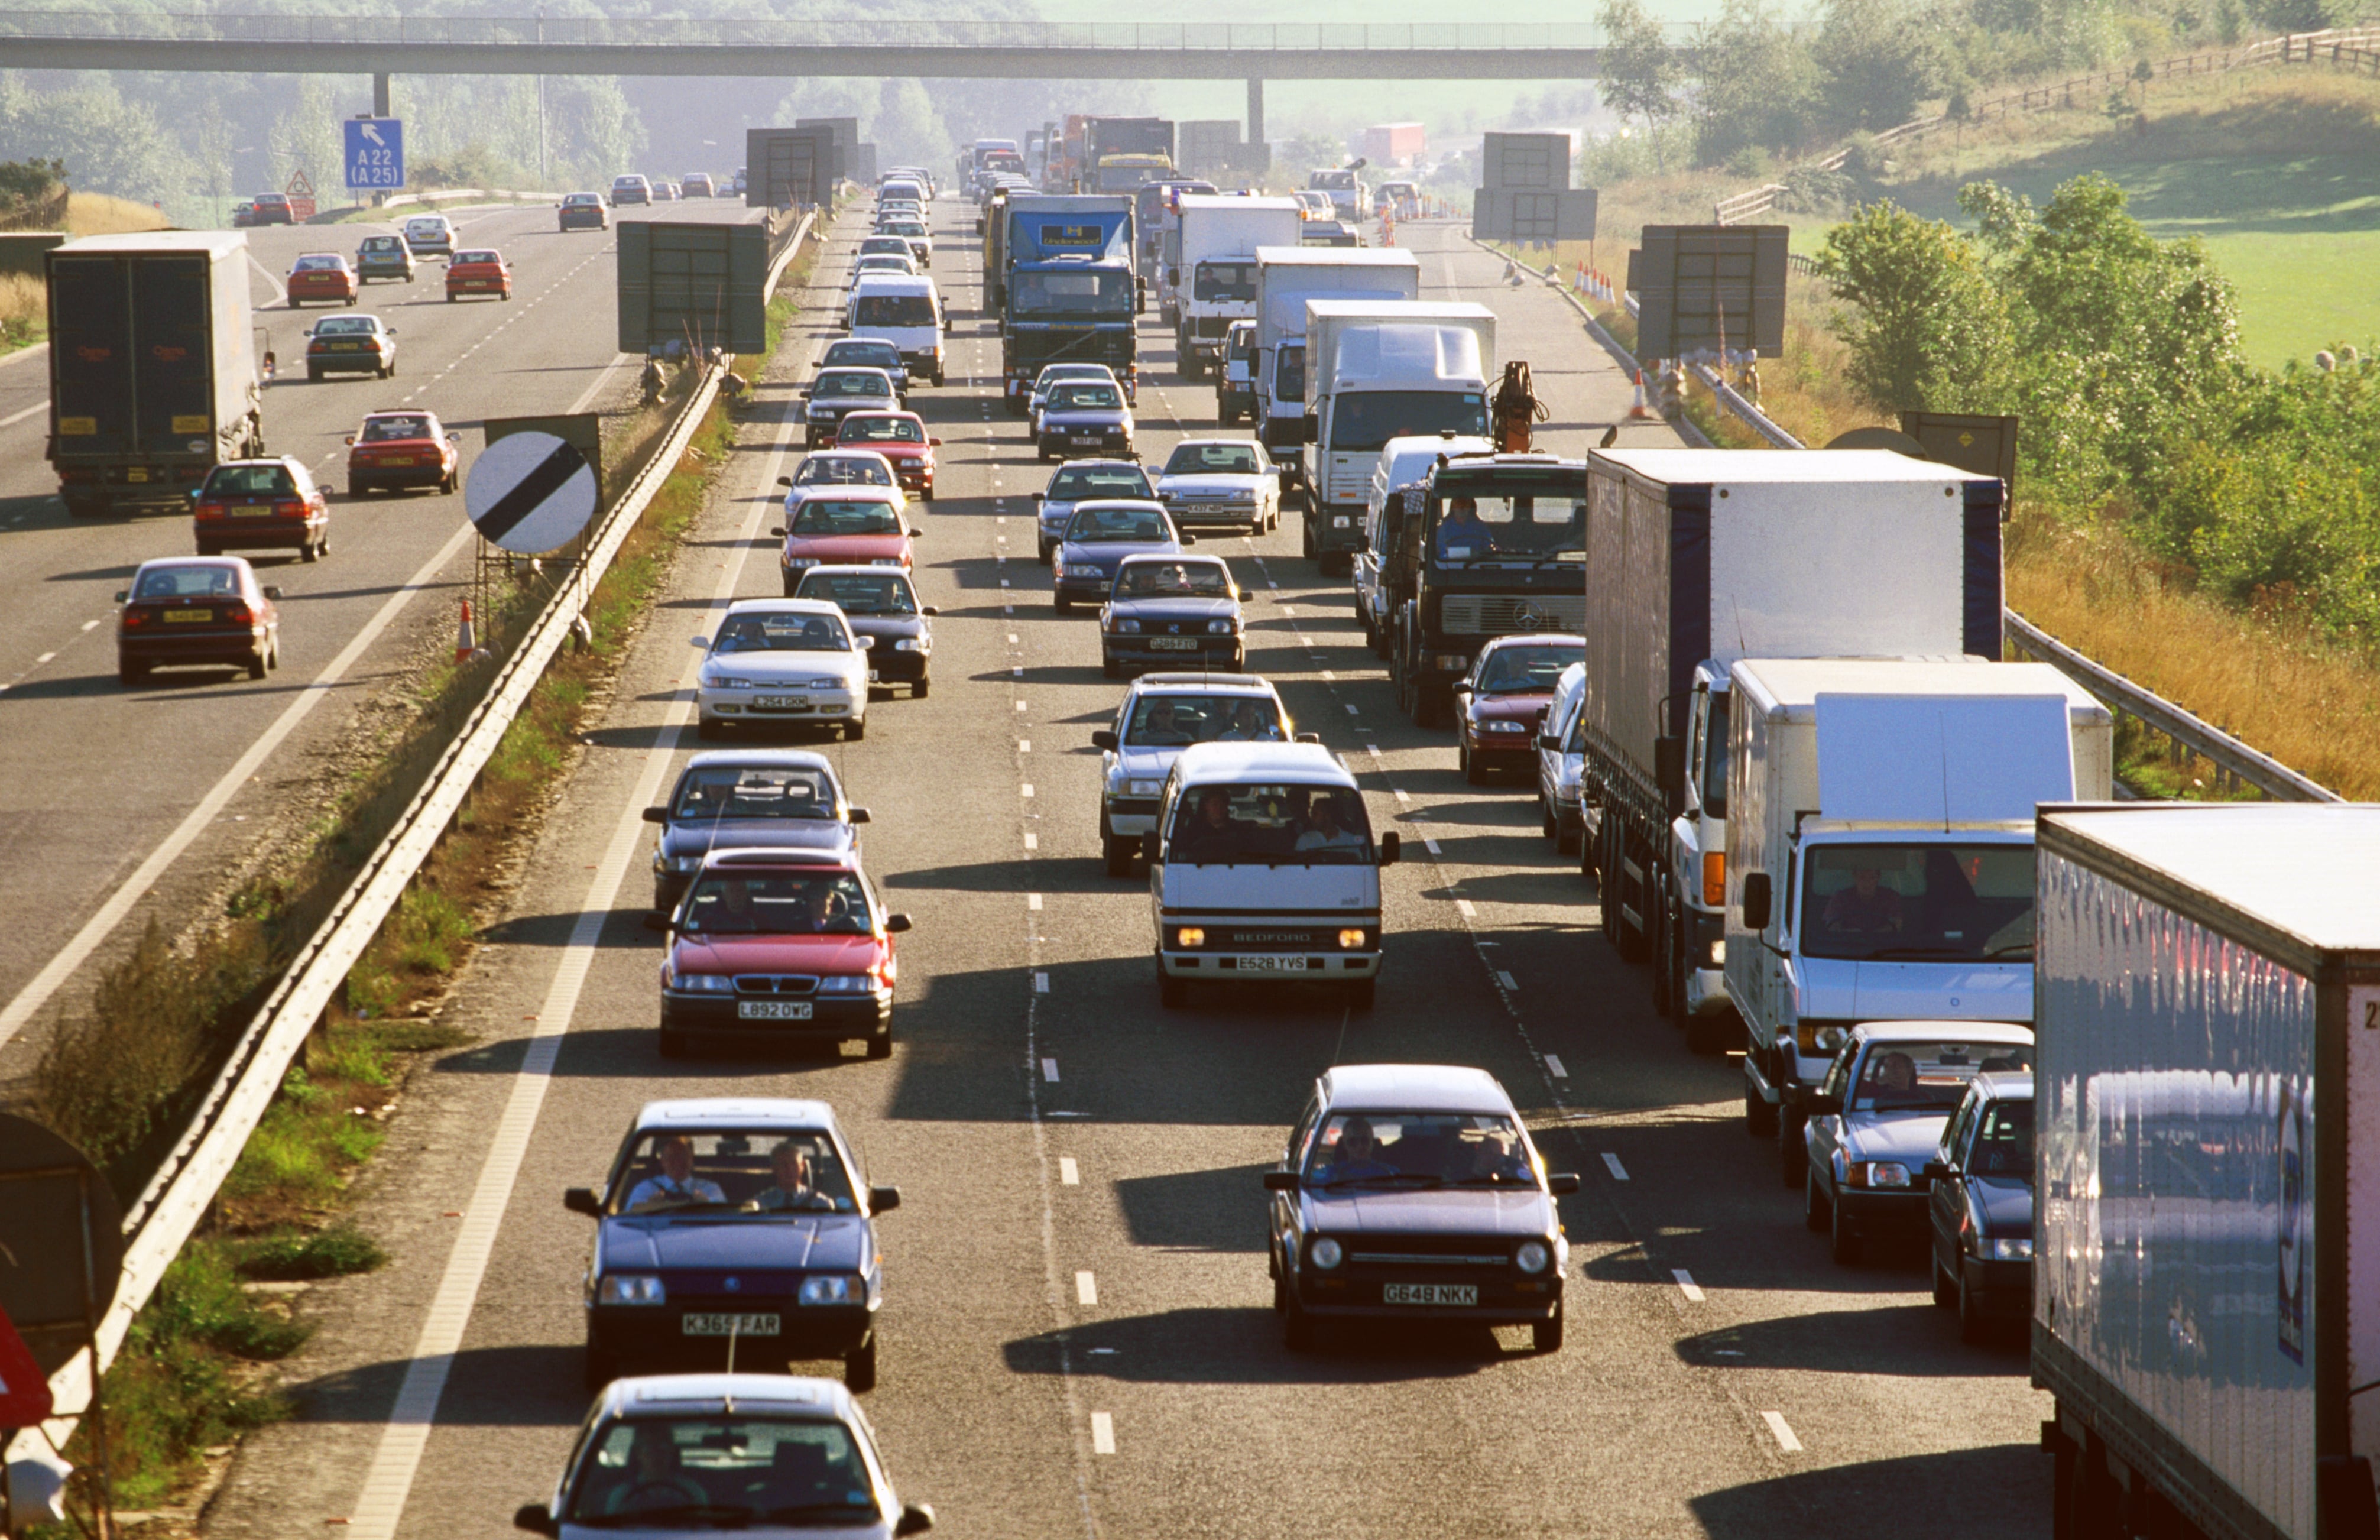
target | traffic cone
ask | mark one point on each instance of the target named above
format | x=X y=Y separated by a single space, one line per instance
x=465 y=644
x=1637 y=412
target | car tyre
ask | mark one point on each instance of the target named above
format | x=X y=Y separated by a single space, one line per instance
x=854 y=730
x=260 y=663
x=601 y=1368
x=207 y=548
x=448 y=485
x=859 y=1367
x=1814 y=1207
x=1974 y=1325
x=1060 y=603
x=313 y=376
x=310 y=552
x=1110 y=669
x=1842 y=1241
x=1793 y=1154
x=1296 y=1325
x=918 y=690
x=1046 y=549
x=1946 y=1291
x=880 y=1044
x=131 y=674
x=1547 y=1336
x=1120 y=854
x=705 y=728
x=1473 y=772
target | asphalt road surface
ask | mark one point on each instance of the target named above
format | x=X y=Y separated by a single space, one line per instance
x=1078 y=1339
x=115 y=802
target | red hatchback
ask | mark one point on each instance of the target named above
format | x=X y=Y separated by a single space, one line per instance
x=402 y=449
x=322 y=276
x=901 y=438
x=270 y=504
x=1503 y=700
x=830 y=526
x=780 y=946
x=482 y=273
x=211 y=610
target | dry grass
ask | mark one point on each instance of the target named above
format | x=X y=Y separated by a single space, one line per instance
x=24 y=310
x=95 y=213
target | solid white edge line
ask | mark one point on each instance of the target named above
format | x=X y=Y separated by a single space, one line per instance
x=15 y=418
x=1783 y=1430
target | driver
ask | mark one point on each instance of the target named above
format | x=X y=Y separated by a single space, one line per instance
x=794 y=1190
x=1893 y=1080
x=1158 y=728
x=1462 y=532
x=1864 y=906
x=1357 y=1155
x=677 y=1186
x=653 y=1469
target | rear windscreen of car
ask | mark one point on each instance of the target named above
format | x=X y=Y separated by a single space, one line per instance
x=251 y=481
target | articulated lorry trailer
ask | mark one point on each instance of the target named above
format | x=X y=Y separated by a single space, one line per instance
x=2205 y=1278
x=1696 y=558
x=154 y=368
x=1068 y=293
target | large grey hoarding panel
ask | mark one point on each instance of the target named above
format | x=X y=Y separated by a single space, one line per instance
x=1532 y=163
x=860 y=164
x=1985 y=445
x=788 y=166
x=696 y=286
x=1703 y=286
x=1505 y=214
x=846 y=147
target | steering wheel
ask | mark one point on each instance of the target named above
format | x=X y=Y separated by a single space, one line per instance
x=675 y=1488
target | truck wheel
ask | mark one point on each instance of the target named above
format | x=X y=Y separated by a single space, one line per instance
x=1431 y=707
x=1759 y=1117
x=1305 y=539
x=1607 y=899
x=1666 y=1001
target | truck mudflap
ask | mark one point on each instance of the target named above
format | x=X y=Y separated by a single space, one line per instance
x=1337 y=528
x=1707 y=992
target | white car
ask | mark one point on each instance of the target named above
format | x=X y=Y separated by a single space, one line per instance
x=790 y=662
x=902 y=265
x=1053 y=374
x=429 y=236
x=1212 y=483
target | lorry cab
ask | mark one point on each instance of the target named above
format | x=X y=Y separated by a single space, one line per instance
x=907 y=313
x=1382 y=371
x=1263 y=868
x=1382 y=568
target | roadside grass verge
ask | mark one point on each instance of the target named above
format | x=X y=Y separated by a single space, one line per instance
x=96 y=214
x=24 y=312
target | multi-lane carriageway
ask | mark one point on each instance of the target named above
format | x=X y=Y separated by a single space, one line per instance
x=1078 y=1339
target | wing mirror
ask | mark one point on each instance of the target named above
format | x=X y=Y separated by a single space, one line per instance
x=896 y=925
x=583 y=1200
x=454 y=438
x=917 y=1518
x=858 y=815
x=1670 y=768
x=867 y=644
x=933 y=444
x=351 y=438
x=656 y=815
x=1309 y=737
x=533 y=1517
x=1391 y=847
x=777 y=531
x=883 y=1200
x=702 y=642
x=1562 y=1185
x=931 y=610
x=1935 y=1171
x=1104 y=738
x=272 y=593
x=122 y=594
x=917 y=534
x=1755 y=901
x=786 y=481
x=1547 y=742
x=1281 y=1181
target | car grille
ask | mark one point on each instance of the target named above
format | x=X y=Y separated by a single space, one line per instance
x=1478 y=614
x=1291 y=941
x=1432 y=1251
x=776 y=983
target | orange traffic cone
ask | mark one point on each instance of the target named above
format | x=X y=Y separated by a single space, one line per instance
x=1637 y=412
x=465 y=644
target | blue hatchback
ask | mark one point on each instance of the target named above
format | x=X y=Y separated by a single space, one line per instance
x=1981 y=1204
x=1098 y=539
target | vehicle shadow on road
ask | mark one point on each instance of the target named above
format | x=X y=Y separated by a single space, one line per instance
x=1908 y=1341
x=2002 y=1490
x=1213 y=1345
x=530 y=1385
x=1020 y=876
x=1205 y=1210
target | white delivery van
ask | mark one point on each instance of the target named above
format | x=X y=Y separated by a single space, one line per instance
x=1383 y=566
x=1263 y=868
x=906 y=312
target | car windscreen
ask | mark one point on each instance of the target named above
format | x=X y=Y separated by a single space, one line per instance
x=1491 y=525
x=345 y=326
x=1212 y=459
x=1918 y=903
x=1179 y=721
x=580 y=200
x=465 y=259
x=1075 y=484
x=1085 y=398
x=390 y=244
x=1514 y=670
x=908 y=227
x=1107 y=293
x=758 y=1171
x=833 y=515
x=425 y=228
x=1091 y=526
x=861 y=593
x=319 y=264
x=776 y=904
x=882 y=262
x=1927 y=1077
x=842 y=470
x=881 y=429
x=894 y=309
x=1173 y=580
x=1361 y=421
x=1223 y=281
x=250 y=482
x=1419 y=1149
x=1054 y=375
x=2003 y=1142
x=885 y=245
x=189 y=582
x=783 y=633
x=850 y=381
x=747 y=791
x=1273 y=824
x=379 y=430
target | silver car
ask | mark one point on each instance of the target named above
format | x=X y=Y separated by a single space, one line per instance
x=1161 y=715
x=1086 y=418
x=1226 y=483
x=1080 y=481
x=1562 y=759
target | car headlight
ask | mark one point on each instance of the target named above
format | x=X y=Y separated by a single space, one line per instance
x=1143 y=788
x=1877 y=1173
x=1340 y=521
x=1127 y=624
x=1452 y=662
x=801 y=561
x=1351 y=938
x=910 y=643
x=833 y=1289
x=1326 y=1253
x=723 y=682
x=1496 y=724
x=1221 y=627
x=1532 y=1257
x=829 y=683
x=702 y=983
x=630 y=1288
x=685 y=863
x=847 y=984
x=2017 y=1248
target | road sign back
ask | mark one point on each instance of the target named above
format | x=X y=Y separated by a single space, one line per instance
x=24 y=1389
x=529 y=494
x=61 y=1244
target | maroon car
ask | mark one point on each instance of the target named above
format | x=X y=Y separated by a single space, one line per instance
x=1500 y=703
x=209 y=610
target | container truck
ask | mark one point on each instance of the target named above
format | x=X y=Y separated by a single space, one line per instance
x=1213 y=275
x=1141 y=144
x=1378 y=371
x=1499 y=549
x=1880 y=853
x=1287 y=276
x=155 y=375
x=1157 y=219
x=1067 y=289
x=1699 y=557
x=2207 y=1239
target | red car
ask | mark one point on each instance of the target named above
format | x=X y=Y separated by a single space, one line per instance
x=402 y=449
x=248 y=504
x=843 y=527
x=481 y=271
x=901 y=438
x=1501 y=701
x=323 y=275
x=780 y=946
x=210 y=611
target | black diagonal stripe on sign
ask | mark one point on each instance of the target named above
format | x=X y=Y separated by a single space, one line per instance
x=542 y=481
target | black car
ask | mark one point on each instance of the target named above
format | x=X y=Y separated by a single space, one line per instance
x=733 y=1233
x=748 y=799
x=1412 y=1192
x=1981 y=1204
x=1172 y=612
x=583 y=211
x=869 y=353
x=881 y=602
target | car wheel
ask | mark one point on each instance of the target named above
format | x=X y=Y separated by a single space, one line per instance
x=1793 y=1154
x=448 y=486
x=131 y=674
x=854 y=730
x=358 y=485
x=258 y=664
x=310 y=551
x=450 y=296
x=1759 y=1117
x=927 y=494
x=1296 y=1325
x=1361 y=993
x=1974 y=1325
x=1110 y=669
x=918 y=690
x=1842 y=1241
x=880 y=1044
x=1473 y=772
x=791 y=584
x=1120 y=854
x=859 y=1367
x=313 y=376
x=1546 y=824
x=1045 y=549
x=207 y=548
x=1060 y=603
x=601 y=1368
x=705 y=728
x=1945 y=1288
x=1547 y=1336
x=1814 y=1207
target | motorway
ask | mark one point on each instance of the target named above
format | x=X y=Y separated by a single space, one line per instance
x=1078 y=1339
x=198 y=763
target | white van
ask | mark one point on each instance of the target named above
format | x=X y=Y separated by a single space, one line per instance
x=1263 y=868
x=906 y=312
x=1381 y=580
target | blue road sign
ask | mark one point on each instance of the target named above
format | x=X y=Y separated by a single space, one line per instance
x=375 y=156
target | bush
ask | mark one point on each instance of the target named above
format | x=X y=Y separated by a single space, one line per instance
x=333 y=1253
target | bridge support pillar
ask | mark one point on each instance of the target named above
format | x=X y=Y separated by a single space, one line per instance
x=1255 y=112
x=379 y=97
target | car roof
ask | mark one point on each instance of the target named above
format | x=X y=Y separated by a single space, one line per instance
x=2004 y=1086
x=708 y=1395
x=831 y=857
x=1098 y=464
x=858 y=491
x=785 y=607
x=1255 y=761
x=896 y=283
x=1203 y=684
x=738 y=1111
x=1931 y=1031
x=1173 y=558
x=1089 y=504
x=860 y=369
x=1534 y=638
x=238 y=564
x=1421 y=1087
x=873 y=412
x=287 y=462
x=855 y=569
x=1217 y=442
x=762 y=759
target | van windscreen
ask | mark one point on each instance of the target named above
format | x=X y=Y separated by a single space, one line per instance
x=1272 y=825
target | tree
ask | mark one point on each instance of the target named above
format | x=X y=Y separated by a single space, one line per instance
x=1641 y=73
x=1928 y=330
x=1877 y=61
x=1759 y=84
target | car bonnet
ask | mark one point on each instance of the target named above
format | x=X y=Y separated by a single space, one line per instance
x=708 y=1241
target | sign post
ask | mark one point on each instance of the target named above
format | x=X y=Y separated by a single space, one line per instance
x=375 y=154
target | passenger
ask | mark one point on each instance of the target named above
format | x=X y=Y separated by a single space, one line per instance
x=1244 y=725
x=793 y=1190
x=1325 y=831
x=677 y=1186
x=1864 y=907
x=1499 y=1159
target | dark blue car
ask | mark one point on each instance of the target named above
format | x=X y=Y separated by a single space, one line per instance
x=1101 y=535
x=733 y=1234
x=1982 y=1204
x=748 y=799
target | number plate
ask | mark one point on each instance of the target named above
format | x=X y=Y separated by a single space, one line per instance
x=1429 y=1293
x=704 y=1324
x=1268 y=963
x=773 y=1010
x=779 y=702
x=137 y=473
x=188 y=617
x=250 y=511
x=400 y=460
x=346 y=347
x=1174 y=644
x=1087 y=438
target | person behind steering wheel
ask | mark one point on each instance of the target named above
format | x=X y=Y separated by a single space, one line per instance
x=655 y=1481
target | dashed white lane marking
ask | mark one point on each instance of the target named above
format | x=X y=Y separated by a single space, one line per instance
x=1049 y=1071
x=1687 y=1286
x=1611 y=1162
x=1033 y=901
x=1086 y=1289
x=1783 y=1430
x=1463 y=907
x=1020 y=706
x=1374 y=749
x=1403 y=796
x=1511 y=984
x=1017 y=672
x=1029 y=788
x=1431 y=845
x=90 y=626
x=1024 y=745
x=1554 y=1067
x=1068 y=1174
x=1032 y=841
x=1040 y=983
x=1103 y=1433
x=1012 y=638
x=1353 y=711
x=45 y=656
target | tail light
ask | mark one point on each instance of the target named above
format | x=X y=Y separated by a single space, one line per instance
x=289 y=507
x=240 y=615
x=208 y=510
x=135 y=618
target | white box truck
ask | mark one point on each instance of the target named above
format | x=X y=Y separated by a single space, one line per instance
x=1881 y=851
x=1287 y=276
x=1213 y=273
x=2206 y=1232
x=1698 y=557
x=1377 y=370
